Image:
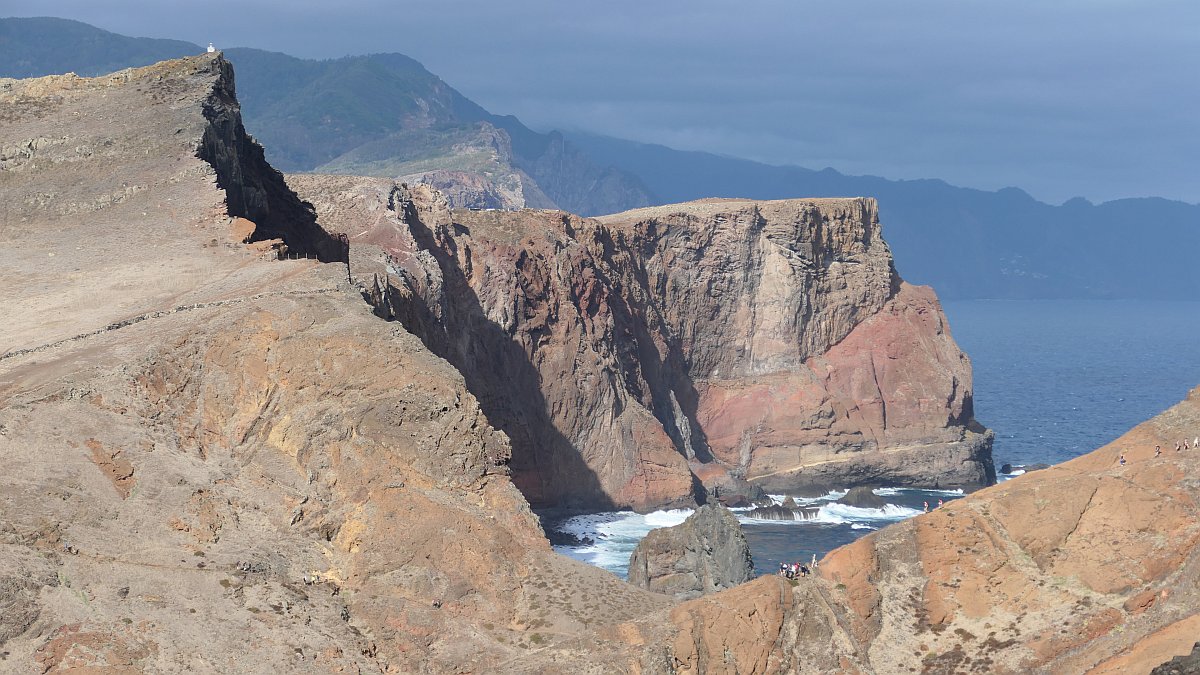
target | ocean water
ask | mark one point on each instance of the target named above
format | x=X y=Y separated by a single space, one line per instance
x=1054 y=379
x=1059 y=378
x=614 y=535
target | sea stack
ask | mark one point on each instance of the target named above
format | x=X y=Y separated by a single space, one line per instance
x=704 y=554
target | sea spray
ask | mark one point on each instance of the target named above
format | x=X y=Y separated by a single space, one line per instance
x=609 y=538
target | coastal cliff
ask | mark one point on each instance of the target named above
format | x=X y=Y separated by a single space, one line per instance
x=676 y=353
x=216 y=460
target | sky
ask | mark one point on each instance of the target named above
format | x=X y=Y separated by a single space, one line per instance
x=1062 y=98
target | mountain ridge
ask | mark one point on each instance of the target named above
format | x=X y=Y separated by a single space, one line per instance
x=316 y=114
x=966 y=242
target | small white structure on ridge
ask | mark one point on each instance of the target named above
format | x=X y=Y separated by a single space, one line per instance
x=211 y=48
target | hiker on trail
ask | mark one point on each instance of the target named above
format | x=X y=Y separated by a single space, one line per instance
x=1185 y=445
x=1157 y=451
x=803 y=571
x=813 y=565
x=783 y=569
x=1178 y=448
x=926 y=507
x=939 y=503
x=1122 y=459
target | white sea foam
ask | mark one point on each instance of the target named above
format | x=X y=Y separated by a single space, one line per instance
x=889 y=512
x=614 y=535
x=894 y=491
x=832 y=495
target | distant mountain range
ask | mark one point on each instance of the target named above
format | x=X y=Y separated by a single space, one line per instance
x=386 y=115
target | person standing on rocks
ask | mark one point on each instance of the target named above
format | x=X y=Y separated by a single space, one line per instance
x=1157 y=450
x=1122 y=460
x=926 y=507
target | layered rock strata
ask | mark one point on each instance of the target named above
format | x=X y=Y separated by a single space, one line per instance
x=704 y=554
x=670 y=354
x=212 y=460
x=216 y=462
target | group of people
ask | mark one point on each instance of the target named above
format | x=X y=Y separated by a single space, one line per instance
x=796 y=570
x=1179 y=447
x=927 y=505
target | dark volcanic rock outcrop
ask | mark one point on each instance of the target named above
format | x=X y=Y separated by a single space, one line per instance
x=704 y=554
x=776 y=512
x=863 y=497
x=633 y=357
x=254 y=190
x=1188 y=664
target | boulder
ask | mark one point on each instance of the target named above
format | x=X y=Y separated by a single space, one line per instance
x=863 y=497
x=704 y=554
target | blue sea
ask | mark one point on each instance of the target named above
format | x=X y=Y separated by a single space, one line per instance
x=1053 y=378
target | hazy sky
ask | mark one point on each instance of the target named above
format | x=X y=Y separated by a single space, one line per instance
x=1098 y=98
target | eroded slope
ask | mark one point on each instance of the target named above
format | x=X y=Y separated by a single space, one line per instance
x=215 y=460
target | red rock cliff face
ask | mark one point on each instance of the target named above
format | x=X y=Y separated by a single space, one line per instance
x=813 y=364
x=635 y=358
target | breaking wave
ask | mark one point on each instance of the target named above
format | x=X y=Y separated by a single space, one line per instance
x=609 y=538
